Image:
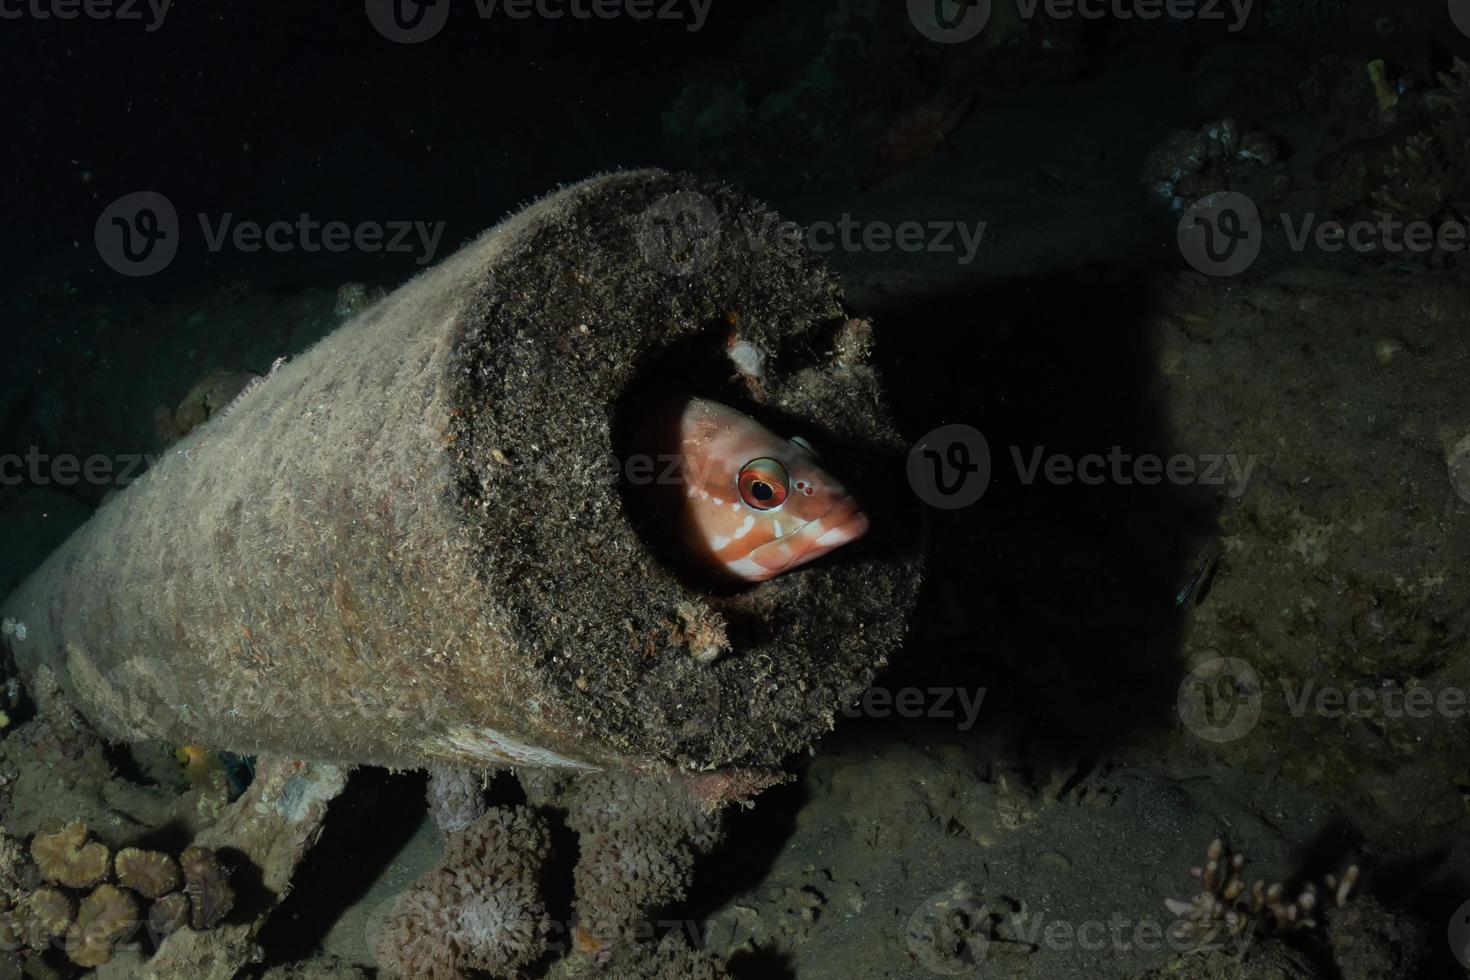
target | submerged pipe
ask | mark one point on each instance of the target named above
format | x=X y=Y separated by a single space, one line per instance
x=405 y=547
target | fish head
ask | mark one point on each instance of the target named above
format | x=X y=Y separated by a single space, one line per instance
x=757 y=504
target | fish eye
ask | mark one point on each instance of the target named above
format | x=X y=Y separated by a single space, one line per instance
x=764 y=483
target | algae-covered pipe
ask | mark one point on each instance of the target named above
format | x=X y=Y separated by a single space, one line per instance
x=409 y=545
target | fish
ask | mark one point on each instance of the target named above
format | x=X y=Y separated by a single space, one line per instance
x=915 y=135
x=756 y=505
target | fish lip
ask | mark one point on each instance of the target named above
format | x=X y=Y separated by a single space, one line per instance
x=842 y=523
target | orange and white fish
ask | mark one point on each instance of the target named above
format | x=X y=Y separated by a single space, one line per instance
x=757 y=505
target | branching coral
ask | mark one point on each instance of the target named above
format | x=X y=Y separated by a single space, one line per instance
x=1426 y=178
x=480 y=909
x=1227 y=911
x=1191 y=164
x=672 y=959
x=68 y=858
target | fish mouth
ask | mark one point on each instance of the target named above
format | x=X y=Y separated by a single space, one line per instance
x=843 y=523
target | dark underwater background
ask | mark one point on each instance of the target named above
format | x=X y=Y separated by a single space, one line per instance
x=1107 y=632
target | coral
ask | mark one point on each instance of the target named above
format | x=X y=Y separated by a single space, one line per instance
x=1369 y=941
x=208 y=886
x=42 y=916
x=14 y=868
x=639 y=837
x=268 y=829
x=456 y=797
x=315 y=970
x=168 y=915
x=672 y=959
x=67 y=858
x=1425 y=178
x=1227 y=912
x=151 y=874
x=38 y=908
x=106 y=916
x=479 y=909
x=1189 y=165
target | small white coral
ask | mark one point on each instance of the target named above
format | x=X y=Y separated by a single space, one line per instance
x=480 y=909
